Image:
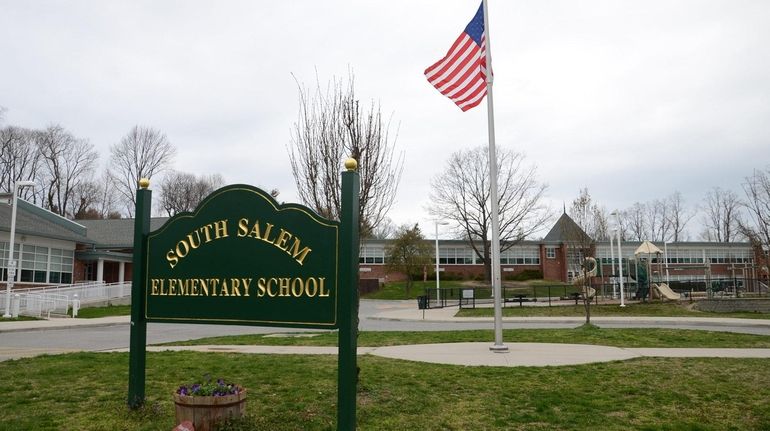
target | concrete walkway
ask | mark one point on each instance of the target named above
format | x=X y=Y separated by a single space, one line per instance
x=409 y=312
x=467 y=354
x=478 y=354
x=62 y=323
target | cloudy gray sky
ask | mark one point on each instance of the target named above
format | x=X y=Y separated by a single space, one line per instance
x=631 y=99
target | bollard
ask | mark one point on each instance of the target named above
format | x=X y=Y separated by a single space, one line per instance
x=75 y=305
x=15 y=303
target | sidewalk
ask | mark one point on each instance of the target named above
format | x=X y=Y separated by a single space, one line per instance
x=466 y=354
x=62 y=323
x=478 y=354
x=409 y=312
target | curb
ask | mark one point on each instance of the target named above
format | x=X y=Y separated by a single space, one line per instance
x=64 y=326
x=685 y=321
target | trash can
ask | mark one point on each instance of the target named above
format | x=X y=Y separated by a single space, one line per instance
x=422 y=302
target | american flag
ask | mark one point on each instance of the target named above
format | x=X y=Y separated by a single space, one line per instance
x=461 y=75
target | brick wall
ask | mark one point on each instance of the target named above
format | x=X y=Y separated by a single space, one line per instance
x=554 y=268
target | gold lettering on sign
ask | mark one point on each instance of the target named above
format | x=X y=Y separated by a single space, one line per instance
x=284 y=241
x=273 y=287
x=193 y=240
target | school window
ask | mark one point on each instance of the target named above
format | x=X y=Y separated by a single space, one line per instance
x=520 y=256
x=39 y=264
x=455 y=256
x=372 y=255
x=550 y=252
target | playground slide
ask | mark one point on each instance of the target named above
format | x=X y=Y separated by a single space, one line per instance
x=666 y=291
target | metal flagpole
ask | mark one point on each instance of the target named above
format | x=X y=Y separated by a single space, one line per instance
x=496 y=278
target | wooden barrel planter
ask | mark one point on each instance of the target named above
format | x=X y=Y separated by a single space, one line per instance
x=204 y=411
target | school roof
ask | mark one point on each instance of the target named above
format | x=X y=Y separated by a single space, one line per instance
x=566 y=230
x=33 y=220
x=116 y=233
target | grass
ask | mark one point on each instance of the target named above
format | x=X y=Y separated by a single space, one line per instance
x=397 y=289
x=17 y=319
x=653 y=309
x=112 y=310
x=87 y=391
x=631 y=337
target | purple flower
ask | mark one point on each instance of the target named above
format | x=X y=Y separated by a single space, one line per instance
x=209 y=388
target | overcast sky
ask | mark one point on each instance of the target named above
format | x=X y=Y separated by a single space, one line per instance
x=632 y=99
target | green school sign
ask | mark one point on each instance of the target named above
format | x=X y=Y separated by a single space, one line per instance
x=241 y=258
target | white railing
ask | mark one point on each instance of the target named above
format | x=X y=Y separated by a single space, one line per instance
x=47 y=300
x=41 y=305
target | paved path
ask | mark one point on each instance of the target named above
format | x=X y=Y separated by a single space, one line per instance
x=470 y=354
x=478 y=354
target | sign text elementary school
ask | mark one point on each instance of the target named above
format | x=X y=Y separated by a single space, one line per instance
x=243 y=259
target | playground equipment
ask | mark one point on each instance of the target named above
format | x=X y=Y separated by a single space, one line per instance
x=589 y=270
x=662 y=290
x=643 y=278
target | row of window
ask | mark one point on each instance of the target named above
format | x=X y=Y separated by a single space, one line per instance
x=459 y=256
x=696 y=256
x=531 y=256
x=38 y=264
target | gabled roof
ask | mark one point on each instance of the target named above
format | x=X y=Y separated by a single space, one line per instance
x=566 y=230
x=116 y=233
x=33 y=220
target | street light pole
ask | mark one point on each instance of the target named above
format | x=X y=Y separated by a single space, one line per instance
x=11 y=278
x=612 y=266
x=665 y=251
x=620 y=271
x=438 y=291
x=620 y=259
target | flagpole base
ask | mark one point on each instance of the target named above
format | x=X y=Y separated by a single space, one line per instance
x=499 y=348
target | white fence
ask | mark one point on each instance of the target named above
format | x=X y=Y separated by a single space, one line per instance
x=56 y=300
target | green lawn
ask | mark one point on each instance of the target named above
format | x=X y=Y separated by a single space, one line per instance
x=112 y=310
x=631 y=337
x=655 y=309
x=17 y=319
x=87 y=391
x=540 y=288
x=397 y=289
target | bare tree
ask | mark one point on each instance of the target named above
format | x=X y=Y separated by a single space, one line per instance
x=462 y=194
x=385 y=230
x=635 y=222
x=107 y=202
x=19 y=159
x=182 y=191
x=85 y=198
x=657 y=219
x=592 y=218
x=721 y=215
x=332 y=126
x=581 y=255
x=678 y=216
x=66 y=163
x=142 y=153
x=757 y=228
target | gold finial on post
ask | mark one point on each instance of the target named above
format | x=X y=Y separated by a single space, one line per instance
x=351 y=164
x=144 y=183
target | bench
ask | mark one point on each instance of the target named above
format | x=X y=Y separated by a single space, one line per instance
x=577 y=296
x=520 y=299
